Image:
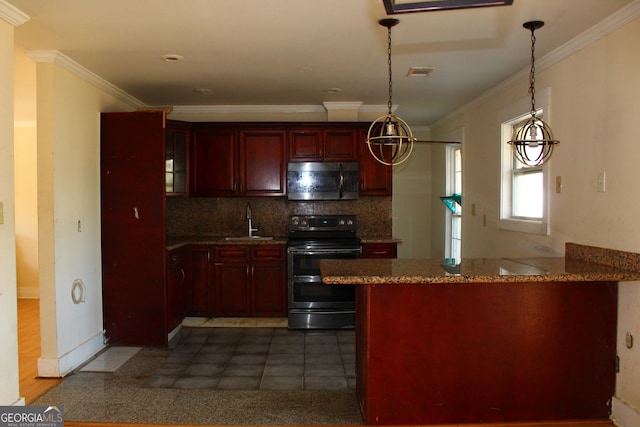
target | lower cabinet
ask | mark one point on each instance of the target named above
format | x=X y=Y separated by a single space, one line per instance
x=231 y=281
x=380 y=250
x=200 y=286
x=176 y=287
x=268 y=281
x=238 y=281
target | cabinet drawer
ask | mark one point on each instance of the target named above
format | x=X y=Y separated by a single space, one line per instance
x=236 y=253
x=380 y=250
x=272 y=252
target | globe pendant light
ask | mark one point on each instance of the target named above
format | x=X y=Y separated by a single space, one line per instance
x=389 y=139
x=533 y=142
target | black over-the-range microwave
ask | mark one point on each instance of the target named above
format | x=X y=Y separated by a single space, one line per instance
x=322 y=181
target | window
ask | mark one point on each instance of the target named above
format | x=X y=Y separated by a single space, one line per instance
x=523 y=193
x=455 y=187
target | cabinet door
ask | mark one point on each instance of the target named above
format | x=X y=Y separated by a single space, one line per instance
x=263 y=162
x=133 y=228
x=268 y=277
x=231 y=272
x=341 y=145
x=376 y=179
x=305 y=145
x=176 y=158
x=379 y=250
x=214 y=170
x=176 y=288
x=200 y=288
x=232 y=289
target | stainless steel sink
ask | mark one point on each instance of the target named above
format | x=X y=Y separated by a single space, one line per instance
x=248 y=238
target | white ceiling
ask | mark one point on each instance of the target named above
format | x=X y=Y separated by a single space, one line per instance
x=288 y=52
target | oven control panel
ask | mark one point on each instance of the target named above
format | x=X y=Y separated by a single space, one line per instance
x=322 y=223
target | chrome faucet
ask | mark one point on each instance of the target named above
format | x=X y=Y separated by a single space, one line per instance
x=251 y=229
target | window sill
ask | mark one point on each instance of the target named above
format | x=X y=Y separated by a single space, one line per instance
x=524 y=226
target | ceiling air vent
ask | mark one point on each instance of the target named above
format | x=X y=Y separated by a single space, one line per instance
x=420 y=71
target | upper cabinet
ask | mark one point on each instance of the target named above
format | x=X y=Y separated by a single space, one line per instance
x=176 y=158
x=263 y=162
x=214 y=167
x=310 y=144
x=376 y=179
x=250 y=159
x=238 y=161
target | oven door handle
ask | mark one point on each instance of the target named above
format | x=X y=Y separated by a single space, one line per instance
x=322 y=251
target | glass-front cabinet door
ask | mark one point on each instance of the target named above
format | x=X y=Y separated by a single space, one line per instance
x=176 y=158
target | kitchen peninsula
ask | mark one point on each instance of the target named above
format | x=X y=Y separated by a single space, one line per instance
x=486 y=340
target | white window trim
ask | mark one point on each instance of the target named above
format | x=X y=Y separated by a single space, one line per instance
x=516 y=111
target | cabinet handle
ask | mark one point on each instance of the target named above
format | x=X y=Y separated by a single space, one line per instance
x=379 y=252
x=184 y=275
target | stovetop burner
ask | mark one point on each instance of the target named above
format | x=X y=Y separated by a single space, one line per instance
x=323 y=231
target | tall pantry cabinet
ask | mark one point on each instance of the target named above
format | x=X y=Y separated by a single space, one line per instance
x=132 y=157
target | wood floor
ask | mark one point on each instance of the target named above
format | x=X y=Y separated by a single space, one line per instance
x=31 y=387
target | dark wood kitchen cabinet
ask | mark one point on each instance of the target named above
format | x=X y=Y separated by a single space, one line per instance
x=230 y=161
x=317 y=145
x=199 y=293
x=263 y=162
x=376 y=179
x=231 y=276
x=176 y=287
x=380 y=250
x=250 y=281
x=214 y=170
x=177 y=158
x=268 y=277
x=134 y=275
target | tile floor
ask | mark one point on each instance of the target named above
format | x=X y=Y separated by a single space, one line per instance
x=259 y=359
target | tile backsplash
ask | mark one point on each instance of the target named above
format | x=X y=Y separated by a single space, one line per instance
x=225 y=216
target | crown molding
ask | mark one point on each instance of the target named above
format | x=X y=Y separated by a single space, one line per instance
x=12 y=14
x=63 y=61
x=342 y=106
x=226 y=109
x=587 y=38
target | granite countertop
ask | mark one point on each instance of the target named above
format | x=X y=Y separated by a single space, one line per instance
x=581 y=263
x=178 y=242
x=380 y=239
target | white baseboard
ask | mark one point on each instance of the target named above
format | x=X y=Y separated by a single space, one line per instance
x=63 y=365
x=28 y=292
x=623 y=414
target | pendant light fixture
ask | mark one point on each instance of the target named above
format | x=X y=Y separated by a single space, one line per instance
x=533 y=141
x=389 y=139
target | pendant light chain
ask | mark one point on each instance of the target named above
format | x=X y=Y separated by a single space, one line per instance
x=533 y=140
x=389 y=103
x=389 y=139
x=532 y=74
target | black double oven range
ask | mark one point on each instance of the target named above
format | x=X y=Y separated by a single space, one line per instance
x=312 y=304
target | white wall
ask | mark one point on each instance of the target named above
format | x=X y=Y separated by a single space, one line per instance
x=26 y=190
x=411 y=203
x=69 y=215
x=595 y=106
x=9 y=382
